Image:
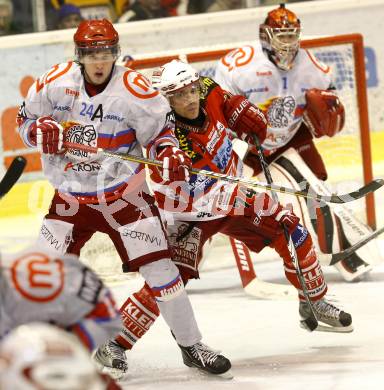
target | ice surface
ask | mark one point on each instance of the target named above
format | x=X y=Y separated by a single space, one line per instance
x=263 y=339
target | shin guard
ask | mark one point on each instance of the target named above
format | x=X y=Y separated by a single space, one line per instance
x=308 y=262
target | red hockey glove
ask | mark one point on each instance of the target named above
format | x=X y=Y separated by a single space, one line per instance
x=267 y=214
x=324 y=113
x=47 y=135
x=245 y=118
x=176 y=164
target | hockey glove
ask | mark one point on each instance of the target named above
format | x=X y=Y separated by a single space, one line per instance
x=47 y=135
x=324 y=113
x=245 y=118
x=272 y=216
x=268 y=215
x=176 y=164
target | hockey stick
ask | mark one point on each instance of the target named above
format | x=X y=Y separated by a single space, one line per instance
x=307 y=193
x=252 y=285
x=12 y=175
x=311 y=322
x=336 y=257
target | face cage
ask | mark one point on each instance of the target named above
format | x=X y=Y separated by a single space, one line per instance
x=97 y=54
x=284 y=44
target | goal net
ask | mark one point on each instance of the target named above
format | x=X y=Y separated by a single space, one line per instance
x=347 y=155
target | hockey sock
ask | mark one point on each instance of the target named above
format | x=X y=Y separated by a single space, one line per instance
x=309 y=264
x=138 y=313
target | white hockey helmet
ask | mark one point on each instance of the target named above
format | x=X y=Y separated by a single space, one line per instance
x=280 y=36
x=40 y=356
x=173 y=76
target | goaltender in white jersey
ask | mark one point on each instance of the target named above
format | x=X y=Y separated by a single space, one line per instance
x=249 y=72
x=296 y=93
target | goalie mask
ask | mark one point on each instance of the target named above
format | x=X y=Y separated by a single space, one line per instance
x=171 y=78
x=39 y=356
x=280 y=36
x=96 y=36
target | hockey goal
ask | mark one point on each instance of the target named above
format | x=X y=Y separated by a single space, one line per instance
x=347 y=155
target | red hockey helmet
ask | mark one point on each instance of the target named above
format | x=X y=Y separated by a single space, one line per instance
x=280 y=36
x=96 y=35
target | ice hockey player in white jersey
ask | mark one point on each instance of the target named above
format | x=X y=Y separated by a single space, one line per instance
x=296 y=93
x=96 y=103
x=40 y=356
x=39 y=285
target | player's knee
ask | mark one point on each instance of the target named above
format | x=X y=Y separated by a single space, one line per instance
x=164 y=279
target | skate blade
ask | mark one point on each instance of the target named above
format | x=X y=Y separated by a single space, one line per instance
x=225 y=375
x=114 y=373
x=326 y=328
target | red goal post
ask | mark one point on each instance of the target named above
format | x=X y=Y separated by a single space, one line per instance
x=345 y=54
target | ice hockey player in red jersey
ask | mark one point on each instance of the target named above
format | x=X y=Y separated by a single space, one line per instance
x=206 y=119
x=297 y=95
x=40 y=356
x=94 y=102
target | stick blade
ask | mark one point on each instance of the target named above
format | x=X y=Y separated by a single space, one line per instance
x=354 y=195
x=263 y=290
x=12 y=175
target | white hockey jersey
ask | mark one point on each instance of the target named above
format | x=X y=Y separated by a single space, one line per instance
x=36 y=285
x=125 y=116
x=280 y=94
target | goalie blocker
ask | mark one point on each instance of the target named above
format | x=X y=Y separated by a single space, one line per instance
x=333 y=227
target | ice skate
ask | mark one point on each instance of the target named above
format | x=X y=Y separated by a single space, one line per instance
x=330 y=318
x=206 y=359
x=110 y=358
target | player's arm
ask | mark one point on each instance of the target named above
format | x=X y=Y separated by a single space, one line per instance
x=35 y=125
x=102 y=320
x=324 y=112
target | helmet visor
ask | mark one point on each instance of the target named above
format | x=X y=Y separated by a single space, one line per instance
x=184 y=92
x=86 y=55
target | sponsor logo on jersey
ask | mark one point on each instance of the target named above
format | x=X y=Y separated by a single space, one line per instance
x=215 y=136
x=248 y=92
x=62 y=108
x=83 y=167
x=71 y=92
x=113 y=117
x=37 y=278
x=223 y=154
x=266 y=73
x=200 y=183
